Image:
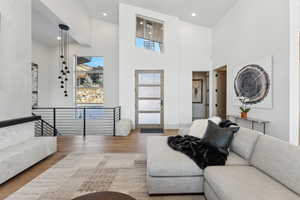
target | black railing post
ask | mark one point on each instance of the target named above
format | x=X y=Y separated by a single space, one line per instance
x=84 y=122
x=42 y=127
x=114 y=121
x=54 y=122
x=120 y=113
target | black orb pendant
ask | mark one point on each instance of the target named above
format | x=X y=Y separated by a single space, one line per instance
x=63 y=55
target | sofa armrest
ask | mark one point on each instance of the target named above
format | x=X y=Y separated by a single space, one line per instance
x=184 y=131
x=199 y=126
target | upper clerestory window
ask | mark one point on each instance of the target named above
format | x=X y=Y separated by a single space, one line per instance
x=149 y=34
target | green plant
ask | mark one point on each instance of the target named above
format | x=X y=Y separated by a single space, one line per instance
x=245 y=110
x=245 y=107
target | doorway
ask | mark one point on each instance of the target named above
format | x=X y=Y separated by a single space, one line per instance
x=149 y=98
x=221 y=91
x=200 y=95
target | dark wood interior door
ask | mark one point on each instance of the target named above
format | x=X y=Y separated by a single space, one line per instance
x=221 y=94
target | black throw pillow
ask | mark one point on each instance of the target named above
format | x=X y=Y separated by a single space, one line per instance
x=229 y=124
x=217 y=137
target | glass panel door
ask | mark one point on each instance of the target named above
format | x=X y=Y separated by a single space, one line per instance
x=149 y=98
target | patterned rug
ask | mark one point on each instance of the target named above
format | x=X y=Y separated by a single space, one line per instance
x=80 y=174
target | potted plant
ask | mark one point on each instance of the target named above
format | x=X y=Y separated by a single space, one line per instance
x=245 y=107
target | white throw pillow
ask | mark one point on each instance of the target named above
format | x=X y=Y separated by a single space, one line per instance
x=198 y=127
x=215 y=119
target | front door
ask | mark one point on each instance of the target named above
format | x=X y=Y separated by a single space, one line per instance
x=149 y=99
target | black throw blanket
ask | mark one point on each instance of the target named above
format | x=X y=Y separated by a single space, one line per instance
x=198 y=151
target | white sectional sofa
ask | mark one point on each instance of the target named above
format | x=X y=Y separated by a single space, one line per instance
x=258 y=167
x=20 y=149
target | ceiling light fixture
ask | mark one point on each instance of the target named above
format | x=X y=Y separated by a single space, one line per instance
x=104 y=14
x=194 y=14
x=64 y=56
x=58 y=38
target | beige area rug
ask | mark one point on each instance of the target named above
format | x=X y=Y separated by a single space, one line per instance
x=79 y=174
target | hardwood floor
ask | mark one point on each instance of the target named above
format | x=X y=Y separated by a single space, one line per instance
x=134 y=143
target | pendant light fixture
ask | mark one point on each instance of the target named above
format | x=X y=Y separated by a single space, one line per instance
x=64 y=40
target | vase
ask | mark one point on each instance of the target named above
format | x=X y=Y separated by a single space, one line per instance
x=244 y=115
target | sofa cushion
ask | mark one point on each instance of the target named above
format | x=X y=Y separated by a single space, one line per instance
x=278 y=159
x=244 y=141
x=247 y=183
x=13 y=135
x=17 y=158
x=162 y=161
x=199 y=126
x=234 y=159
x=209 y=192
x=174 y=185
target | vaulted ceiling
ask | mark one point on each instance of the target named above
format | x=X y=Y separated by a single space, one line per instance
x=43 y=29
x=44 y=25
x=208 y=12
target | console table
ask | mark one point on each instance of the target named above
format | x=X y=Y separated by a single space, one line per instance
x=252 y=120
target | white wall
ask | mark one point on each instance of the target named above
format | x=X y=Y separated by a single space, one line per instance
x=15 y=59
x=41 y=56
x=74 y=14
x=249 y=31
x=104 y=42
x=187 y=48
x=196 y=50
x=294 y=71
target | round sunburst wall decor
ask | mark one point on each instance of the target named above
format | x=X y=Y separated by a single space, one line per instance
x=253 y=82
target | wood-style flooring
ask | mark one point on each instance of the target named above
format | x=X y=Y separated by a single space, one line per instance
x=134 y=143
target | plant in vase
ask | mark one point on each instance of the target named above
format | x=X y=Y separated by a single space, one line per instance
x=245 y=107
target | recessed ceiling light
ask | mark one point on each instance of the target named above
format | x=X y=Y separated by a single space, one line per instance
x=141 y=23
x=104 y=14
x=194 y=14
x=58 y=38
